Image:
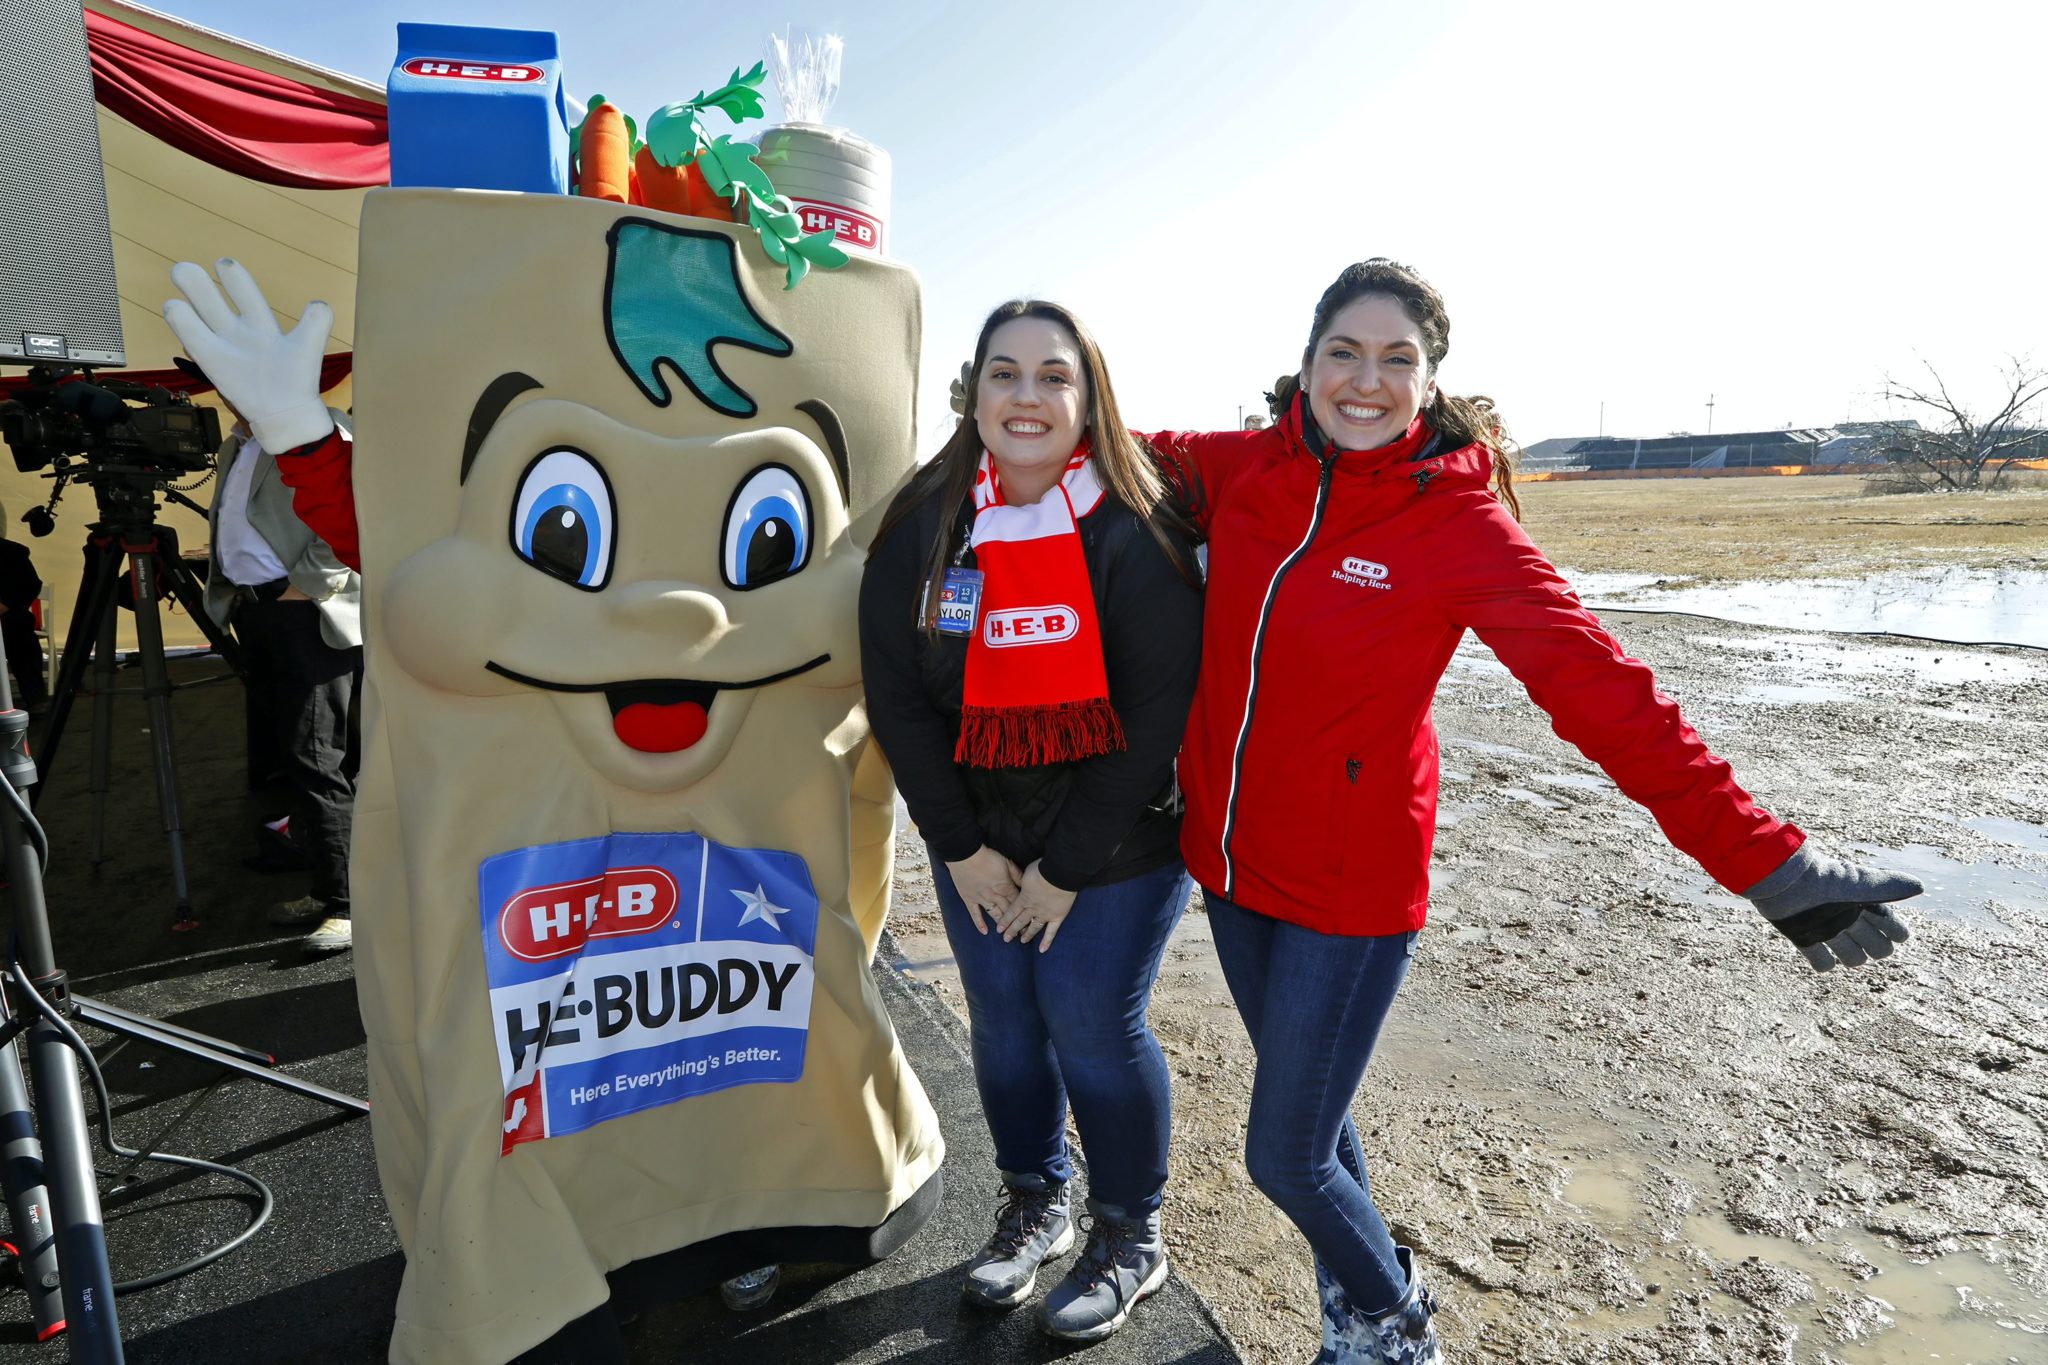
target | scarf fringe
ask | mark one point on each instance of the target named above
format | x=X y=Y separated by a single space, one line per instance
x=1025 y=736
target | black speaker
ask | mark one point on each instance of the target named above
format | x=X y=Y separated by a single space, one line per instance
x=58 y=299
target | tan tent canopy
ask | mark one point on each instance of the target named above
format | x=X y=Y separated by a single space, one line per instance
x=167 y=206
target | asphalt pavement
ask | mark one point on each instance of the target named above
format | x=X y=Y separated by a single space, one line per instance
x=319 y=1281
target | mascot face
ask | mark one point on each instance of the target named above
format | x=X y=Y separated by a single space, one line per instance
x=649 y=556
x=649 y=586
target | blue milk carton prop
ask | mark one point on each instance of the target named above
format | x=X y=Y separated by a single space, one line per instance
x=478 y=109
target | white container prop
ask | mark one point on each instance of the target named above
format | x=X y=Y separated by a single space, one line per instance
x=834 y=178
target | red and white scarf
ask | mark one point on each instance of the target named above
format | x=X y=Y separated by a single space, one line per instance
x=1036 y=691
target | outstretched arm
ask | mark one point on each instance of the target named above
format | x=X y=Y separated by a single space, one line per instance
x=272 y=378
x=1196 y=465
x=1608 y=705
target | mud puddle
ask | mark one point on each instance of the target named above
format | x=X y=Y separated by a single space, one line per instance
x=1874 y=1303
x=1967 y=606
x=1971 y=893
x=2014 y=833
x=1848 y=663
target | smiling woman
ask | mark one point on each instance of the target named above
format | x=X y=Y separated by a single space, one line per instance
x=1029 y=632
x=1351 y=546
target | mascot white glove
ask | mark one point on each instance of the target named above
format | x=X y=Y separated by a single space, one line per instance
x=271 y=377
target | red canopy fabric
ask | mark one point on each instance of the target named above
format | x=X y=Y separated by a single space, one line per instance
x=264 y=127
x=333 y=369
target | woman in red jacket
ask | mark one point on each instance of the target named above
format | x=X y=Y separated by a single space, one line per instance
x=1351 y=545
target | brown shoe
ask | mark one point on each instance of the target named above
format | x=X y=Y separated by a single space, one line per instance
x=302 y=913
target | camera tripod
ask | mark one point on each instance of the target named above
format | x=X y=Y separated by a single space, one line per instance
x=46 y=1170
x=128 y=533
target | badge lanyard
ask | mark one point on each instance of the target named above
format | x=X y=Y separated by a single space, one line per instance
x=959 y=594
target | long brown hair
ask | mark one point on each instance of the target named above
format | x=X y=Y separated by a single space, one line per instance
x=1124 y=463
x=1467 y=421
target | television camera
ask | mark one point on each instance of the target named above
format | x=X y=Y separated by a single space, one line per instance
x=112 y=433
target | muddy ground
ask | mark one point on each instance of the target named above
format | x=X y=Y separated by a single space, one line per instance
x=1618 y=1117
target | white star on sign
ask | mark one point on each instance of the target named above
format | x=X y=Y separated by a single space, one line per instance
x=760 y=909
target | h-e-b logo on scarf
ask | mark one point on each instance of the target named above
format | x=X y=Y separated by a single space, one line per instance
x=1028 y=626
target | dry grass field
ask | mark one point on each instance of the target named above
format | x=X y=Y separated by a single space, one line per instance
x=1780 y=528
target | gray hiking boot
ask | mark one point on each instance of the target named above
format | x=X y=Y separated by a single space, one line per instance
x=1402 y=1335
x=745 y=1293
x=1124 y=1263
x=1032 y=1226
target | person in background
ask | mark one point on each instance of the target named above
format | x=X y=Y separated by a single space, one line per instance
x=1351 y=546
x=20 y=585
x=296 y=610
x=1030 y=627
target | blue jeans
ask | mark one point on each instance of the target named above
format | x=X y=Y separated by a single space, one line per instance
x=1314 y=1004
x=1068 y=1026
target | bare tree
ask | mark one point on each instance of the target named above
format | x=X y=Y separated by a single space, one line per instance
x=1958 y=451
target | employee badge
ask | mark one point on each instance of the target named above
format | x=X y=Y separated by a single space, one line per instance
x=959 y=601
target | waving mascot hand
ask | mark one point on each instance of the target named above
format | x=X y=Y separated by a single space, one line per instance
x=622 y=845
x=272 y=378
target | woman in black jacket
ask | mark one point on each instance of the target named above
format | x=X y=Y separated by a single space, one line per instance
x=1030 y=632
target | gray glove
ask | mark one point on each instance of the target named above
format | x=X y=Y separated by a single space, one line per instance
x=1833 y=911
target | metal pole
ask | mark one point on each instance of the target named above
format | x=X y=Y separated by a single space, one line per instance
x=104 y=661
x=156 y=691
x=28 y=1200
x=90 y=1320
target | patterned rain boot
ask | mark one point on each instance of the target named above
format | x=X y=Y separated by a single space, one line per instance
x=1402 y=1335
x=745 y=1293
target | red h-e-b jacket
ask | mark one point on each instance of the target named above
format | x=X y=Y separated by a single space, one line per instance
x=1338 y=589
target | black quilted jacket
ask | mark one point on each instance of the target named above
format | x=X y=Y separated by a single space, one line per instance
x=1090 y=822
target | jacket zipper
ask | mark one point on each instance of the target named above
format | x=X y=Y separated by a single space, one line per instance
x=1329 y=463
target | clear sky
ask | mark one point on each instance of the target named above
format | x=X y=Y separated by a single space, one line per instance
x=1628 y=204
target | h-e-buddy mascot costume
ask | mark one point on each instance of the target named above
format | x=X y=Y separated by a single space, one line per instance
x=621 y=843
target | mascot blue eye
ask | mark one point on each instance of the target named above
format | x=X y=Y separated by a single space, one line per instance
x=767 y=529
x=562 y=519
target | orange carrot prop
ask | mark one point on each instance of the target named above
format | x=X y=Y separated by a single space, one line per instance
x=703 y=203
x=606 y=159
x=663 y=187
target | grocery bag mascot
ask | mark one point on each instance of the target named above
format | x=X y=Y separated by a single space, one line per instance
x=622 y=847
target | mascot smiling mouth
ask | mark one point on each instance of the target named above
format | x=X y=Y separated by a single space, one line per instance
x=658 y=715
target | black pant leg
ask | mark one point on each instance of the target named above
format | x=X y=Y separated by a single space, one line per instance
x=24 y=658
x=261 y=688
x=312 y=693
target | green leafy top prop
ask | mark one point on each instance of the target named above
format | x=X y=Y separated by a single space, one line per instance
x=677 y=136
